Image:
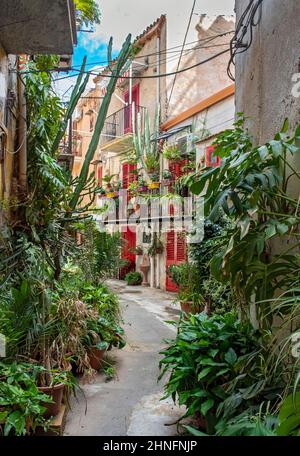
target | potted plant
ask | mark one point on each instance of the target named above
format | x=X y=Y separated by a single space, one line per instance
x=185 y=276
x=138 y=250
x=133 y=188
x=133 y=278
x=60 y=381
x=154 y=184
x=146 y=147
x=167 y=176
x=110 y=193
x=23 y=405
x=157 y=246
x=171 y=152
x=142 y=185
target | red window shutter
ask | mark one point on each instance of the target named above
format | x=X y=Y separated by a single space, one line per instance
x=181 y=248
x=128 y=175
x=125 y=175
x=176 y=254
x=132 y=175
x=212 y=160
x=170 y=246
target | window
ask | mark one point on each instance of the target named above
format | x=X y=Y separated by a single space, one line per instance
x=212 y=160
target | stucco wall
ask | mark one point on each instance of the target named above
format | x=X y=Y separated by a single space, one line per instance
x=199 y=83
x=264 y=73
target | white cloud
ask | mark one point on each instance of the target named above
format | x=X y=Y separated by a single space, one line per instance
x=120 y=17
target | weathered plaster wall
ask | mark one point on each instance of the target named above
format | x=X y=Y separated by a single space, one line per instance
x=264 y=73
x=199 y=83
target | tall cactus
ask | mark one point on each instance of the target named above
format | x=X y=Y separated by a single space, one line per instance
x=145 y=144
x=75 y=96
x=116 y=71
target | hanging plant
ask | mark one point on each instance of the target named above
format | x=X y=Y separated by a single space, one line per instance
x=157 y=246
x=171 y=152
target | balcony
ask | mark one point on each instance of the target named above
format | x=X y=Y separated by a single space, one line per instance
x=117 y=132
x=35 y=27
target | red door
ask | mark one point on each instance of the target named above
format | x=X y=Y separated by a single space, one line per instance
x=128 y=244
x=128 y=175
x=128 y=109
x=176 y=254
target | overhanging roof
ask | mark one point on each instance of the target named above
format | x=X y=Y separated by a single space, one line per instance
x=38 y=26
x=199 y=107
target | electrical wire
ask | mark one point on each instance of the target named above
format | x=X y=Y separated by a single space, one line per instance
x=166 y=51
x=155 y=76
x=244 y=27
x=182 y=49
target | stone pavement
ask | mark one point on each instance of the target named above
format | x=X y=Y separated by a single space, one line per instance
x=130 y=404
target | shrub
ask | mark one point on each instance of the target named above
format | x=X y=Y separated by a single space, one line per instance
x=21 y=403
x=133 y=278
x=216 y=369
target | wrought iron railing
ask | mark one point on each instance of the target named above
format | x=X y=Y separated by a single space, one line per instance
x=121 y=122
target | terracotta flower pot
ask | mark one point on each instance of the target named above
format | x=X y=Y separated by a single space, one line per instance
x=189 y=308
x=56 y=393
x=95 y=357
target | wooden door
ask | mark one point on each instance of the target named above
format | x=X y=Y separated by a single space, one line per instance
x=128 y=243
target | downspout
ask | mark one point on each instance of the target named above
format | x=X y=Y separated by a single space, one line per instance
x=158 y=257
x=22 y=136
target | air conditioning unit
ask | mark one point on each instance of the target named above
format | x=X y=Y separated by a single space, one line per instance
x=185 y=144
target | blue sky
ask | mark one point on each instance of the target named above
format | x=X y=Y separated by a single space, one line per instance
x=120 y=17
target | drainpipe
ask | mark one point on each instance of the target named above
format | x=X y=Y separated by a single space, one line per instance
x=22 y=137
x=130 y=84
x=158 y=260
x=158 y=69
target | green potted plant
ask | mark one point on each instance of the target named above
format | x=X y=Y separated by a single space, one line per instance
x=134 y=278
x=156 y=247
x=171 y=152
x=185 y=276
x=146 y=147
x=138 y=250
x=142 y=184
x=61 y=382
x=101 y=192
x=168 y=178
x=152 y=166
x=133 y=188
x=110 y=193
x=23 y=405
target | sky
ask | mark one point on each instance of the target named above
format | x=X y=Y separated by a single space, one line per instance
x=120 y=17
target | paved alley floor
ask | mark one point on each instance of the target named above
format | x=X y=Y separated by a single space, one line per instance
x=130 y=403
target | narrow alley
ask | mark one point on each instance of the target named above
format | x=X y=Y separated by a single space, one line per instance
x=130 y=403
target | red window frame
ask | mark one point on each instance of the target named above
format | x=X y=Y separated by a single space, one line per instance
x=128 y=109
x=212 y=161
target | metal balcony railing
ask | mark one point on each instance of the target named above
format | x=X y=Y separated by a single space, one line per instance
x=121 y=122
